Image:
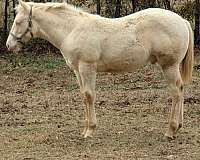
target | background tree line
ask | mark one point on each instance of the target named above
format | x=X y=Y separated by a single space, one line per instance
x=189 y=9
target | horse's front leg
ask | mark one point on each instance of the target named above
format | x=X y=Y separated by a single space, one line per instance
x=79 y=80
x=87 y=73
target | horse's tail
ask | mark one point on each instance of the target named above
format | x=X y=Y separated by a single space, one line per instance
x=187 y=63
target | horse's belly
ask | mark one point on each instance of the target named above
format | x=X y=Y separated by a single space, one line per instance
x=127 y=64
x=124 y=61
x=117 y=67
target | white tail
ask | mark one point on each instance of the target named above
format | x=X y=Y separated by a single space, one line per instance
x=188 y=61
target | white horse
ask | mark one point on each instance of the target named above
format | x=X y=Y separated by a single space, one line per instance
x=90 y=44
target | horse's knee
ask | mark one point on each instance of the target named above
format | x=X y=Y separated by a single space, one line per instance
x=88 y=96
x=179 y=84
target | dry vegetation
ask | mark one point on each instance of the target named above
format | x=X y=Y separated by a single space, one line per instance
x=41 y=113
x=1 y=14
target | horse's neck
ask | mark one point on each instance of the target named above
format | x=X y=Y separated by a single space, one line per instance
x=52 y=28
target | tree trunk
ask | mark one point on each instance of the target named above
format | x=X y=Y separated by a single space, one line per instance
x=1 y=13
x=167 y=4
x=117 y=8
x=6 y=17
x=133 y=5
x=98 y=7
x=109 y=8
x=14 y=13
x=152 y=3
x=197 y=23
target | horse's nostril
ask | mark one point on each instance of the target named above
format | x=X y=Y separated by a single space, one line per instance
x=8 y=46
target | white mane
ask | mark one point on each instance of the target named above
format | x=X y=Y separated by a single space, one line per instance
x=53 y=7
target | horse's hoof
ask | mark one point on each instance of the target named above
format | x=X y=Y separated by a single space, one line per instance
x=89 y=133
x=84 y=131
x=169 y=136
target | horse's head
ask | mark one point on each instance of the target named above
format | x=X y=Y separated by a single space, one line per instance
x=22 y=28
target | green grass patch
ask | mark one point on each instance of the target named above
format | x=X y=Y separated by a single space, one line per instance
x=44 y=62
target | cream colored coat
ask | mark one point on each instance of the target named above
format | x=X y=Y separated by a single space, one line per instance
x=90 y=43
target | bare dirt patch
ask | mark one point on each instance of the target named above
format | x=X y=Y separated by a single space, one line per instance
x=41 y=113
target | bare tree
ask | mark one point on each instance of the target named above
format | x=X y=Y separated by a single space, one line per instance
x=197 y=23
x=134 y=5
x=98 y=7
x=6 y=16
x=14 y=13
x=117 y=8
x=167 y=4
x=1 y=13
x=109 y=8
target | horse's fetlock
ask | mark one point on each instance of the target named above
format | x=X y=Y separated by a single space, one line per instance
x=180 y=125
x=174 y=125
x=88 y=94
x=93 y=125
x=181 y=88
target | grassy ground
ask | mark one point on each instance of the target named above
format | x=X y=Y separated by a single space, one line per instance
x=41 y=113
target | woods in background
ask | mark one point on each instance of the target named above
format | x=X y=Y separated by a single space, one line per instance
x=114 y=9
x=197 y=23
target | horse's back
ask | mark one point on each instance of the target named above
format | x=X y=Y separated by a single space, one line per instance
x=157 y=35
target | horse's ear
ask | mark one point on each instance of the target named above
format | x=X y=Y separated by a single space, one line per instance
x=24 y=5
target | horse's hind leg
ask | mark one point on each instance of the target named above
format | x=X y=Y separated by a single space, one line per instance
x=181 y=115
x=88 y=77
x=174 y=79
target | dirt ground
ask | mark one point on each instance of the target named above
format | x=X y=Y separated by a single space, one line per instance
x=41 y=114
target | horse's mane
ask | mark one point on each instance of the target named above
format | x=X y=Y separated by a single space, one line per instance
x=53 y=7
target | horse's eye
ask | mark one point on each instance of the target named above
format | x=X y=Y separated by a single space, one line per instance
x=18 y=22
